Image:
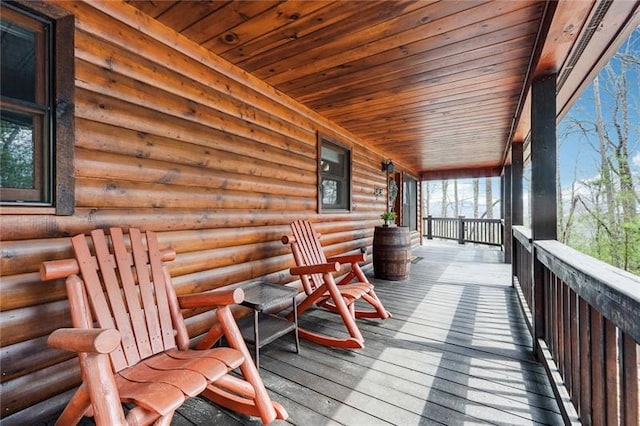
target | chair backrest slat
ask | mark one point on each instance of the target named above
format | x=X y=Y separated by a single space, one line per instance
x=160 y=285
x=95 y=293
x=111 y=284
x=132 y=298
x=307 y=250
x=141 y=261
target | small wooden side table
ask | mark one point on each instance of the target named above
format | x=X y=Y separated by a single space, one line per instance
x=266 y=328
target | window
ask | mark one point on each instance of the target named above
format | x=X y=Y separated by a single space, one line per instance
x=410 y=203
x=36 y=139
x=334 y=176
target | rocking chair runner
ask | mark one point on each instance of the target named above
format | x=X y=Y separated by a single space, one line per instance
x=140 y=354
x=315 y=272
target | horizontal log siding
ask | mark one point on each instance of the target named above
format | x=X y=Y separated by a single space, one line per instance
x=172 y=139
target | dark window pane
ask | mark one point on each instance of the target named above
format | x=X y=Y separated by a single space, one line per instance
x=329 y=192
x=333 y=162
x=410 y=206
x=335 y=175
x=18 y=59
x=17 y=151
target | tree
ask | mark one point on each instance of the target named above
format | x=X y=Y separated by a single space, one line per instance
x=608 y=201
x=16 y=156
x=489 y=198
x=445 y=184
x=476 y=193
x=427 y=198
x=456 y=200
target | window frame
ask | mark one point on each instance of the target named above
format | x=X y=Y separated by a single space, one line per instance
x=346 y=180
x=57 y=152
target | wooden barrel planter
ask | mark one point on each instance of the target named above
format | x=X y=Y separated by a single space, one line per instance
x=391 y=252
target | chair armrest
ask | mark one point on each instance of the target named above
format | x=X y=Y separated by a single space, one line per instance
x=62 y=268
x=348 y=258
x=320 y=268
x=212 y=298
x=89 y=340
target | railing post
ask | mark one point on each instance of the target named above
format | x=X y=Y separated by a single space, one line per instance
x=430 y=227
x=515 y=259
x=460 y=229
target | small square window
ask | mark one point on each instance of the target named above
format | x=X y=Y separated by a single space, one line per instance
x=334 y=176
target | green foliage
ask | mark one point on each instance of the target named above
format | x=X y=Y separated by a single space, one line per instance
x=388 y=216
x=16 y=156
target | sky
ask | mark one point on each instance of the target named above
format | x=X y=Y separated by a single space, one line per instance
x=577 y=152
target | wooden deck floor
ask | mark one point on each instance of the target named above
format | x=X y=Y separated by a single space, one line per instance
x=455 y=352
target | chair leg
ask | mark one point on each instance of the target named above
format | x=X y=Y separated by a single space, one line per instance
x=262 y=401
x=370 y=297
x=343 y=310
x=103 y=390
x=323 y=339
x=76 y=408
x=373 y=300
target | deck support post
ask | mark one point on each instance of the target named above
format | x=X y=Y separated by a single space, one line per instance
x=506 y=213
x=517 y=217
x=543 y=187
x=517 y=152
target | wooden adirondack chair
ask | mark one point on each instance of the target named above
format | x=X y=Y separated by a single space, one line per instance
x=132 y=342
x=321 y=289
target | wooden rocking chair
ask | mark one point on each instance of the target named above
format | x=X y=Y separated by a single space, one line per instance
x=315 y=272
x=139 y=351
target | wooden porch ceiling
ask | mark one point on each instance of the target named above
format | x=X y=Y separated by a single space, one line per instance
x=438 y=86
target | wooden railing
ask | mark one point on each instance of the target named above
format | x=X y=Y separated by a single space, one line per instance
x=465 y=230
x=521 y=267
x=584 y=316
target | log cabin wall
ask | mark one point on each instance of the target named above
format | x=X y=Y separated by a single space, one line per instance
x=171 y=138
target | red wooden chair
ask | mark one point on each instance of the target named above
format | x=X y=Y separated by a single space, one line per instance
x=132 y=342
x=316 y=274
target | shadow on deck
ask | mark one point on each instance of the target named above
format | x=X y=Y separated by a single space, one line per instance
x=456 y=351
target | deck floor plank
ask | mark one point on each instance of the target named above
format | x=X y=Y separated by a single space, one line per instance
x=458 y=379
x=415 y=365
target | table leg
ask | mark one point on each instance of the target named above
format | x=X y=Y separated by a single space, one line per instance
x=295 y=321
x=256 y=338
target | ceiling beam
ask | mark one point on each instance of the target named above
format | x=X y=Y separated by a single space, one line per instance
x=492 y=171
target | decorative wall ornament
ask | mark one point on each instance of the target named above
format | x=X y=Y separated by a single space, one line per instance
x=393 y=193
